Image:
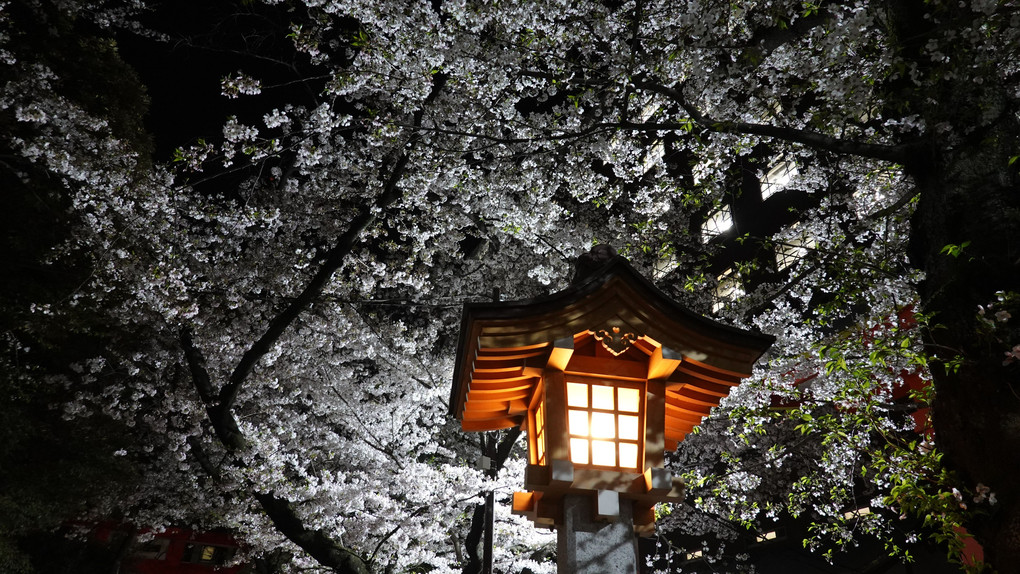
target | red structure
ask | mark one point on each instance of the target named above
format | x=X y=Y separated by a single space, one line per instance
x=174 y=551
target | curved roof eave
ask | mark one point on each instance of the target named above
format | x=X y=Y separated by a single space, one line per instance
x=615 y=293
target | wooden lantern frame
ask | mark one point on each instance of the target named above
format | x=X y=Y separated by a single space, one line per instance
x=613 y=329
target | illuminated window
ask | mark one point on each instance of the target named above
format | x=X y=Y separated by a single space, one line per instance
x=664 y=265
x=539 y=426
x=789 y=253
x=728 y=289
x=207 y=554
x=857 y=513
x=777 y=178
x=604 y=424
x=792 y=250
x=771 y=536
x=654 y=156
x=718 y=222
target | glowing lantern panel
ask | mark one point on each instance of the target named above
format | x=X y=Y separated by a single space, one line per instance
x=601 y=432
x=538 y=456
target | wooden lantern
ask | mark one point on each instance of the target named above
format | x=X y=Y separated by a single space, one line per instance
x=603 y=376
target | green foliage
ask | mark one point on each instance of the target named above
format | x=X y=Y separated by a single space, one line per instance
x=954 y=250
x=918 y=484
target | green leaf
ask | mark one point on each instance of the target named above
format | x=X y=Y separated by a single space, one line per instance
x=954 y=250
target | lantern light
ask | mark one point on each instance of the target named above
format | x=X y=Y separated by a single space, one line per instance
x=604 y=377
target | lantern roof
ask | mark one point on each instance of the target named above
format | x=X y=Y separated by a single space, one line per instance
x=504 y=345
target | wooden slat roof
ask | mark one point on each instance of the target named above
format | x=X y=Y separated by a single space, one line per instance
x=504 y=345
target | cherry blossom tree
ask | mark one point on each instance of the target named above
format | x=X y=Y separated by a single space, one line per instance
x=281 y=300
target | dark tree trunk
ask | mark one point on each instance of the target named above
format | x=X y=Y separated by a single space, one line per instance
x=474 y=542
x=479 y=538
x=969 y=196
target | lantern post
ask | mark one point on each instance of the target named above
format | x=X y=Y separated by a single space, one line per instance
x=604 y=377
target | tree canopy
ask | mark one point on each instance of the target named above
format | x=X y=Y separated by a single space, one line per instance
x=262 y=296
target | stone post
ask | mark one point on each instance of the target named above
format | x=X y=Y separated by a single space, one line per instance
x=586 y=545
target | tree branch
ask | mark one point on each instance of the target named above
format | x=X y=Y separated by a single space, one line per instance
x=196 y=365
x=222 y=420
x=333 y=261
x=901 y=153
x=766 y=40
x=503 y=449
x=394 y=530
x=498 y=450
x=316 y=543
x=822 y=255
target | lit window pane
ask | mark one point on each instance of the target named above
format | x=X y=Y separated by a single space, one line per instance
x=628 y=455
x=602 y=398
x=630 y=399
x=628 y=427
x=579 y=451
x=603 y=453
x=577 y=422
x=577 y=395
x=603 y=425
x=718 y=222
x=539 y=447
